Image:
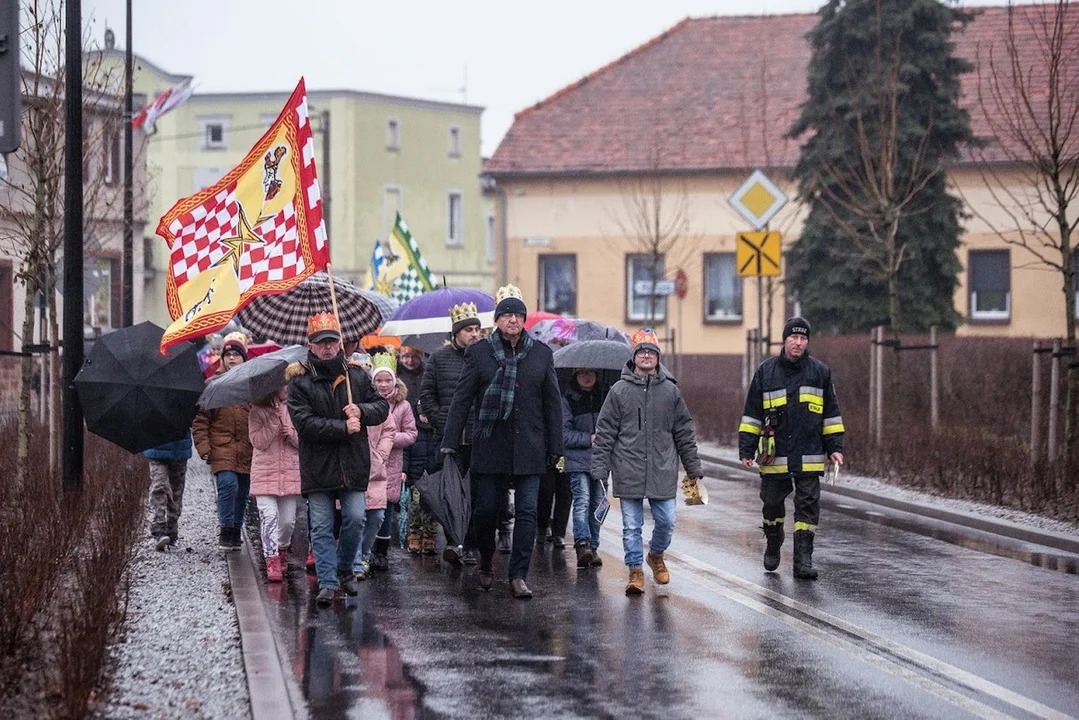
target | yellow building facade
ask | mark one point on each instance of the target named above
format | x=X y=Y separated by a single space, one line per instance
x=385 y=154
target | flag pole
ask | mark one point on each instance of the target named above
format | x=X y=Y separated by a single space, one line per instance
x=333 y=301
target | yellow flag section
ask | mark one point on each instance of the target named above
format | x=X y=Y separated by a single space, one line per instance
x=257 y=231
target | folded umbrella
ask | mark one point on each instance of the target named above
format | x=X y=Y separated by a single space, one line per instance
x=447 y=496
x=134 y=396
x=251 y=380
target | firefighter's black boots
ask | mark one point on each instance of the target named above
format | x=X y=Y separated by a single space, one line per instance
x=803 y=555
x=774 y=535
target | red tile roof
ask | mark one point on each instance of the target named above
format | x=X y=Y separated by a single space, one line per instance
x=708 y=94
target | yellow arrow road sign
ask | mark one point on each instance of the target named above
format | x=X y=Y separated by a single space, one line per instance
x=758 y=253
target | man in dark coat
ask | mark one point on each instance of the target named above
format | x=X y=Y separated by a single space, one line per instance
x=792 y=426
x=444 y=369
x=509 y=380
x=335 y=459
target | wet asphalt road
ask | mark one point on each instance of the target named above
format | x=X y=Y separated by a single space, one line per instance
x=901 y=624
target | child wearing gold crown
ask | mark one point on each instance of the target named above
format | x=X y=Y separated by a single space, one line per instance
x=644 y=430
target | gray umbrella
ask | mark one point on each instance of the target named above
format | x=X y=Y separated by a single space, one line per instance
x=596 y=354
x=252 y=380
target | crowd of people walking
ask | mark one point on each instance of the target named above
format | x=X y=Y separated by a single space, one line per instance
x=349 y=435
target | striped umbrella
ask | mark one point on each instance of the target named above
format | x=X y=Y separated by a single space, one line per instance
x=283 y=317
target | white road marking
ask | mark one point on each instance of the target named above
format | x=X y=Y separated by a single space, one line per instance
x=881 y=652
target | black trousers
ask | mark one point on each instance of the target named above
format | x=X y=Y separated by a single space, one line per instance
x=806 y=487
x=554 y=490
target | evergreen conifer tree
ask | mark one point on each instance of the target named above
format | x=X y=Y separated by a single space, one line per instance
x=880 y=122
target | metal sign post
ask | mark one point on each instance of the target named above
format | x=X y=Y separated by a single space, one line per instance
x=758 y=200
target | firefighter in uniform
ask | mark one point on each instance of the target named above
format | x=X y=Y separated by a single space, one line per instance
x=791 y=425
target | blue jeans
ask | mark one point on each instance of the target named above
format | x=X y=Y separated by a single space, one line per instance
x=633 y=520
x=489 y=491
x=586 y=496
x=232 y=491
x=370 y=531
x=320 y=506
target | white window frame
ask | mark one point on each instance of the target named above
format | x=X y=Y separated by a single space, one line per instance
x=491 y=239
x=661 y=302
x=455 y=141
x=713 y=317
x=113 y=165
x=393 y=133
x=543 y=263
x=997 y=315
x=455 y=221
x=206 y=122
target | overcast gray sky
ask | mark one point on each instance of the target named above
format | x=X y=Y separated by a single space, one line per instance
x=501 y=54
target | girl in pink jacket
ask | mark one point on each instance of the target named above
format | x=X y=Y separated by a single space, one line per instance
x=381 y=438
x=395 y=392
x=275 y=479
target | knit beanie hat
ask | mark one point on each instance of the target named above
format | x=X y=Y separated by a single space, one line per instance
x=645 y=339
x=237 y=342
x=797 y=325
x=510 y=300
x=464 y=315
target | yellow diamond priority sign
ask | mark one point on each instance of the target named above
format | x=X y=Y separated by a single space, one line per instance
x=757 y=254
x=758 y=200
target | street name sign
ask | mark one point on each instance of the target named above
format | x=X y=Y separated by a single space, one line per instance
x=644 y=287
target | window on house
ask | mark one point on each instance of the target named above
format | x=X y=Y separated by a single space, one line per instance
x=558 y=283
x=101 y=308
x=214 y=130
x=7 y=308
x=642 y=305
x=113 y=158
x=454 y=234
x=393 y=134
x=455 y=141
x=989 y=283
x=490 y=238
x=722 y=288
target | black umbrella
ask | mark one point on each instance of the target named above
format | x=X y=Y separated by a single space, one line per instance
x=252 y=380
x=595 y=354
x=446 y=494
x=133 y=395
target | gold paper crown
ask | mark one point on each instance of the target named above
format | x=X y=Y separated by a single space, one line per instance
x=463 y=311
x=645 y=335
x=383 y=361
x=508 y=291
x=322 y=322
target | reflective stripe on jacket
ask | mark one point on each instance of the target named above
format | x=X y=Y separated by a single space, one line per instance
x=799 y=399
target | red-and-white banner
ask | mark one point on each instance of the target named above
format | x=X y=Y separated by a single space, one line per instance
x=163 y=103
x=259 y=230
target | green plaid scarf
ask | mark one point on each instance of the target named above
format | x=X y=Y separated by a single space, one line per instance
x=497 y=403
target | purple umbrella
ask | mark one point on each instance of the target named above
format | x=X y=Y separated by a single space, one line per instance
x=424 y=321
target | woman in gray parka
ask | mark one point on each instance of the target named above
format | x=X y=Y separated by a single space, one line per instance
x=643 y=430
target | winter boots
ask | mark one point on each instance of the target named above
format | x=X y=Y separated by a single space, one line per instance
x=273 y=569
x=803 y=555
x=584 y=554
x=229 y=539
x=659 y=568
x=635 y=586
x=379 y=559
x=774 y=535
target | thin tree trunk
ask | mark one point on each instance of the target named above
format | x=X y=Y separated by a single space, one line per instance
x=55 y=435
x=27 y=367
x=1068 y=258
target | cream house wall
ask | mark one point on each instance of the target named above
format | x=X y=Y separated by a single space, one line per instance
x=1037 y=295
x=581 y=217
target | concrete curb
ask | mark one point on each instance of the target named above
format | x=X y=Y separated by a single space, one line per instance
x=266 y=681
x=1005 y=528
